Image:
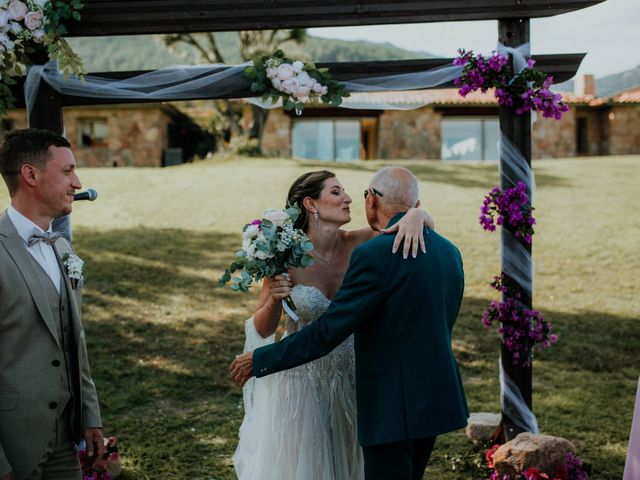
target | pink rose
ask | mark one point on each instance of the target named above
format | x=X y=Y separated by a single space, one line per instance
x=291 y=85
x=17 y=9
x=33 y=20
x=317 y=87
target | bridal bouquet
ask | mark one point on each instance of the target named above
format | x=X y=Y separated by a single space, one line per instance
x=270 y=246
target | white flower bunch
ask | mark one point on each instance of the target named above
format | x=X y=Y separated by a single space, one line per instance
x=294 y=80
x=72 y=265
x=20 y=22
x=270 y=246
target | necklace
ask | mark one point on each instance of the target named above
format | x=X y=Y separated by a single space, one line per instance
x=328 y=262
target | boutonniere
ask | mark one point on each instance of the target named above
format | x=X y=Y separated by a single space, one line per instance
x=73 y=268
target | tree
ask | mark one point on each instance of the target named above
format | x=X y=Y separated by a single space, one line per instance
x=252 y=44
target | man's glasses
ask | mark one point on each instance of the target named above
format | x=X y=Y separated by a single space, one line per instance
x=372 y=191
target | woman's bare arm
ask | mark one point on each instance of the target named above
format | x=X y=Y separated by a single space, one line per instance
x=269 y=309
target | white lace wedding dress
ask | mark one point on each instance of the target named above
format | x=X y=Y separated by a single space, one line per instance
x=300 y=424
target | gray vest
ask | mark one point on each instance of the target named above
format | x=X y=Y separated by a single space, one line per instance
x=60 y=309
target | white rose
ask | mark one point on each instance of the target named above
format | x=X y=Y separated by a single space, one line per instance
x=297 y=66
x=317 y=87
x=285 y=71
x=250 y=251
x=15 y=28
x=325 y=90
x=291 y=85
x=272 y=72
x=33 y=20
x=305 y=79
x=303 y=91
x=17 y=9
x=277 y=217
x=4 y=38
x=251 y=231
x=3 y=3
x=277 y=84
x=4 y=19
x=38 y=35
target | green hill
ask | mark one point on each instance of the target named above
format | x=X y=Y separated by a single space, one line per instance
x=148 y=52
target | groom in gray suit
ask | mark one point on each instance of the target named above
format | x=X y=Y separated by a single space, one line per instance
x=47 y=397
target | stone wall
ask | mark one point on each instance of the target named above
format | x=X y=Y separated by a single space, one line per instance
x=137 y=135
x=276 y=139
x=409 y=134
x=624 y=130
x=554 y=138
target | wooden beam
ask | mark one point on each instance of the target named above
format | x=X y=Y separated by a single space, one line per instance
x=517 y=128
x=132 y=17
x=562 y=67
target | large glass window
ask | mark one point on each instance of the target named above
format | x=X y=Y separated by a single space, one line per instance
x=326 y=139
x=473 y=138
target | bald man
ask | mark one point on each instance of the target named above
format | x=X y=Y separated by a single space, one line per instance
x=402 y=313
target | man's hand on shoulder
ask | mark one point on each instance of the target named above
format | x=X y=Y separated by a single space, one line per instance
x=242 y=368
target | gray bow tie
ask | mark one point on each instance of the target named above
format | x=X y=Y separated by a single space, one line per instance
x=46 y=237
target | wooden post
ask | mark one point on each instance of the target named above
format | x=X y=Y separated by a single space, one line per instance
x=47 y=110
x=517 y=128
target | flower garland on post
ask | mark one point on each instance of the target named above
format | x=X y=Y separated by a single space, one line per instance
x=25 y=27
x=522 y=330
x=524 y=91
x=276 y=77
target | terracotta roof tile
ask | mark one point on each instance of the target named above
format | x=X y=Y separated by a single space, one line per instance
x=444 y=97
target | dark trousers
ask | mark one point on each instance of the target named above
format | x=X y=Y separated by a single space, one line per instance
x=60 y=460
x=398 y=461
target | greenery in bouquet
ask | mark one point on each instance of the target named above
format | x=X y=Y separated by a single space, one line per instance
x=525 y=91
x=106 y=468
x=27 y=26
x=276 y=77
x=270 y=246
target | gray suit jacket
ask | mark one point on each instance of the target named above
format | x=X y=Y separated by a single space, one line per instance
x=29 y=344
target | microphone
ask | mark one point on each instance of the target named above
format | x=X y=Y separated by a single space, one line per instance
x=90 y=194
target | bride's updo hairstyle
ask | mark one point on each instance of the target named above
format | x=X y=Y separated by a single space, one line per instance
x=307 y=185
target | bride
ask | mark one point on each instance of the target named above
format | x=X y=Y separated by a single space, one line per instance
x=301 y=423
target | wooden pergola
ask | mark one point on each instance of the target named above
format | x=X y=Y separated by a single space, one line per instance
x=131 y=17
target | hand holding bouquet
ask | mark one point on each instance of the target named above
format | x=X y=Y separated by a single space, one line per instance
x=270 y=246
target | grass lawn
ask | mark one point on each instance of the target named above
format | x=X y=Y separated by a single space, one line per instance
x=161 y=333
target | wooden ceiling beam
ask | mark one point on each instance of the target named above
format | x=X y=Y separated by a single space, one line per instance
x=137 y=17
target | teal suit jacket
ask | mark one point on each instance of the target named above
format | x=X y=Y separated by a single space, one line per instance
x=402 y=313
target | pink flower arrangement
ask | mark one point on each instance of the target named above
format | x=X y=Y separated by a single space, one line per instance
x=572 y=469
x=528 y=90
x=509 y=208
x=106 y=468
x=522 y=330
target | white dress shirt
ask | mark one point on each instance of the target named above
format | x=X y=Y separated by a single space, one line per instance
x=40 y=251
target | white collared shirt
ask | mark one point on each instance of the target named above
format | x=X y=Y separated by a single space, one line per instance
x=40 y=251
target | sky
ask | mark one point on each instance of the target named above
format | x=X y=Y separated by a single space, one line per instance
x=608 y=32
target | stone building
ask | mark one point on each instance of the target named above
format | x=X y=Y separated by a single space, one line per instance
x=139 y=135
x=447 y=126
